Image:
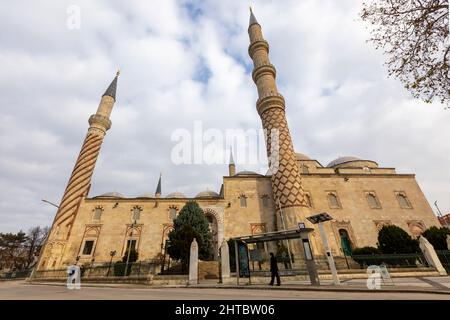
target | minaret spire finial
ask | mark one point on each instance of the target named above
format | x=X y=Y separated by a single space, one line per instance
x=111 y=91
x=231 y=156
x=252 y=18
x=158 y=187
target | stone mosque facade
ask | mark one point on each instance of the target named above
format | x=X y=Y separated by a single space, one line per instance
x=360 y=195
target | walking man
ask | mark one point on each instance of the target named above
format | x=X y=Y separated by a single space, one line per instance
x=274 y=269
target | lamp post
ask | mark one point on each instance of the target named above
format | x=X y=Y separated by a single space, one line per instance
x=38 y=263
x=444 y=218
x=51 y=203
x=319 y=219
x=129 y=248
x=111 y=254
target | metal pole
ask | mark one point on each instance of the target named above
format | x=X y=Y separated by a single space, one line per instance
x=328 y=254
x=44 y=244
x=236 y=258
x=129 y=249
x=439 y=211
x=284 y=227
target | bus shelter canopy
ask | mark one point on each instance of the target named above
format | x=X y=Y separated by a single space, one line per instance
x=274 y=236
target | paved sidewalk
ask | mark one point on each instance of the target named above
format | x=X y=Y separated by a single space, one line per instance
x=437 y=285
x=19 y=290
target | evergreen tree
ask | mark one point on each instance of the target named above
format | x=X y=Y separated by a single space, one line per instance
x=190 y=223
x=437 y=237
x=393 y=239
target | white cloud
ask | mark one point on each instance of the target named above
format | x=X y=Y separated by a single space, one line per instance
x=183 y=61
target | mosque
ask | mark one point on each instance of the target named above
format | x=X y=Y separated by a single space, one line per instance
x=360 y=195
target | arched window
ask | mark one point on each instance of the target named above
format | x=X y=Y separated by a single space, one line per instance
x=373 y=201
x=305 y=169
x=243 y=201
x=333 y=201
x=98 y=213
x=172 y=213
x=403 y=200
x=136 y=213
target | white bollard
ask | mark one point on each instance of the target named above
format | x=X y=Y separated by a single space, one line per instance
x=193 y=263
x=225 y=261
x=431 y=256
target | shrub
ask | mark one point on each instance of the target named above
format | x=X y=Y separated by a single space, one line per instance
x=437 y=237
x=365 y=251
x=393 y=239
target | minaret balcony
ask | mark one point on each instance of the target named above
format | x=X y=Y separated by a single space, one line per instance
x=259 y=44
x=263 y=69
x=98 y=120
x=269 y=101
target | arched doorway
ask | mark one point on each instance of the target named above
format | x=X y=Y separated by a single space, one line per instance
x=213 y=228
x=346 y=244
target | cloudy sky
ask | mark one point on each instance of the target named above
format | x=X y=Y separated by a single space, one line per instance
x=186 y=61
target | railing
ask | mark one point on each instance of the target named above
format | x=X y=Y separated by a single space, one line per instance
x=135 y=269
x=22 y=274
x=444 y=256
x=413 y=260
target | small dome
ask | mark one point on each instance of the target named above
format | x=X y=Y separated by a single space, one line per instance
x=207 y=194
x=247 y=173
x=342 y=160
x=301 y=156
x=111 y=195
x=146 y=195
x=176 y=194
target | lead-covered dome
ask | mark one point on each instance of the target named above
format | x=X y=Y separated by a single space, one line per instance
x=207 y=194
x=247 y=173
x=145 y=195
x=111 y=195
x=350 y=161
x=176 y=194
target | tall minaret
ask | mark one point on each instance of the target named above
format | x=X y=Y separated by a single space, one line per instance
x=80 y=180
x=286 y=181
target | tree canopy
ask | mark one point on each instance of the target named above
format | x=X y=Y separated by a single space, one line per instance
x=20 y=250
x=190 y=223
x=414 y=36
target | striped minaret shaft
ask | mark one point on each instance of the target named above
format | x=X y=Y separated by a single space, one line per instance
x=79 y=182
x=286 y=180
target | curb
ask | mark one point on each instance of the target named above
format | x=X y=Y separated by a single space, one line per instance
x=247 y=287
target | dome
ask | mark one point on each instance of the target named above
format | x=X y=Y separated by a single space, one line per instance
x=207 y=194
x=146 y=195
x=176 y=194
x=247 y=173
x=111 y=195
x=352 y=162
x=301 y=156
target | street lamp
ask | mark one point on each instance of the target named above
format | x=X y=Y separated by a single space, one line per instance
x=111 y=254
x=51 y=203
x=319 y=219
x=129 y=248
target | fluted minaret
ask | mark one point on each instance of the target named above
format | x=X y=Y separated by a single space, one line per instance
x=286 y=181
x=80 y=180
